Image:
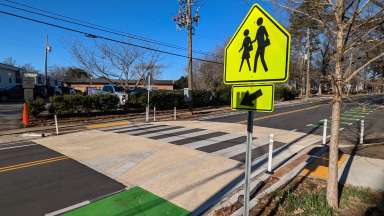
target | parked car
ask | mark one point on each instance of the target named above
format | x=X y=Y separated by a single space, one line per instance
x=116 y=90
x=138 y=90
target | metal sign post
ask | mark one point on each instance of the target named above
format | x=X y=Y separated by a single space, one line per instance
x=253 y=88
x=248 y=162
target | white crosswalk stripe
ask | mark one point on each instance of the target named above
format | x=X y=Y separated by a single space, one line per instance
x=119 y=127
x=131 y=128
x=238 y=149
x=165 y=132
x=184 y=136
x=137 y=132
x=211 y=141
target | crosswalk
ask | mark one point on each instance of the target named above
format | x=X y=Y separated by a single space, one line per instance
x=229 y=145
x=350 y=117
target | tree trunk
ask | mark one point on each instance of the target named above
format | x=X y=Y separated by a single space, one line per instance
x=302 y=77
x=332 y=186
x=308 y=81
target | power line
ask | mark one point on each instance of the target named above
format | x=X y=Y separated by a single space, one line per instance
x=94 y=26
x=90 y=35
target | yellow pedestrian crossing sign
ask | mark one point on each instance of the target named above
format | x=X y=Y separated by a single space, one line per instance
x=259 y=50
x=256 y=97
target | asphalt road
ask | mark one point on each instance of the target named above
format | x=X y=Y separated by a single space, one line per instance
x=305 y=118
x=36 y=180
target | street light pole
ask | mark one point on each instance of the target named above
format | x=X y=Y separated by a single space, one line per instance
x=47 y=49
x=46 y=67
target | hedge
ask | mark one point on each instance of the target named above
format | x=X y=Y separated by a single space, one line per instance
x=285 y=93
x=162 y=99
x=72 y=104
x=167 y=99
x=36 y=106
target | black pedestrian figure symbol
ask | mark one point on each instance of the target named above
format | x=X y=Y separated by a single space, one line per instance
x=246 y=47
x=263 y=41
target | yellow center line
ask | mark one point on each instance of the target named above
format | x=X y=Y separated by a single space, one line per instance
x=32 y=163
x=283 y=113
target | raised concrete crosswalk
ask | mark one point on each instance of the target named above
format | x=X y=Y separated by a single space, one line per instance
x=229 y=145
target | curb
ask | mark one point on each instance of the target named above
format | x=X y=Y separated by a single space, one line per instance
x=84 y=203
x=281 y=182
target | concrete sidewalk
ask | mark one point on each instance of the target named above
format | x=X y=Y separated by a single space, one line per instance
x=363 y=172
x=353 y=170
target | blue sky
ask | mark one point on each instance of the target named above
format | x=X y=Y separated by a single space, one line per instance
x=24 y=40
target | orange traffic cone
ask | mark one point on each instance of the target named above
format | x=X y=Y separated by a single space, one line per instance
x=25 y=115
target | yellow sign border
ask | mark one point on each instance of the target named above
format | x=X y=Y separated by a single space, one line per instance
x=282 y=29
x=259 y=110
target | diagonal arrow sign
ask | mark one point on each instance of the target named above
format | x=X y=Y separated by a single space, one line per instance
x=249 y=98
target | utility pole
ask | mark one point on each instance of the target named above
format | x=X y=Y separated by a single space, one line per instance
x=185 y=19
x=47 y=49
x=308 y=57
x=189 y=27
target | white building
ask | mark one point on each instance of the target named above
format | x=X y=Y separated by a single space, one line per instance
x=10 y=76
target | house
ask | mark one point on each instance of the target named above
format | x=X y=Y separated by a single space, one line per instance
x=10 y=76
x=84 y=83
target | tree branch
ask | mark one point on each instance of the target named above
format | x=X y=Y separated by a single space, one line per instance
x=294 y=10
x=363 y=66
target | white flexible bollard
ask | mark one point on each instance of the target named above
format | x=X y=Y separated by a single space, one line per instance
x=57 y=126
x=325 y=131
x=270 y=154
x=362 y=131
x=154 y=114
x=174 y=113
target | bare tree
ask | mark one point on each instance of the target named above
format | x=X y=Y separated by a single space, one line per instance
x=58 y=72
x=209 y=75
x=122 y=58
x=29 y=68
x=91 y=61
x=147 y=65
x=350 y=25
x=116 y=62
x=9 y=61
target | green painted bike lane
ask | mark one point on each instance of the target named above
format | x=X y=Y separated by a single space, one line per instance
x=349 y=117
x=135 y=201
